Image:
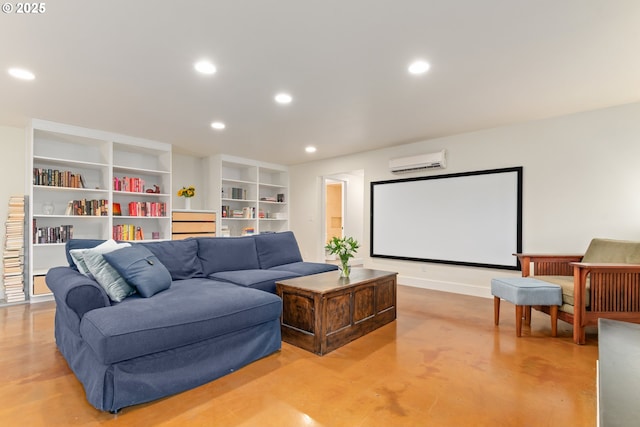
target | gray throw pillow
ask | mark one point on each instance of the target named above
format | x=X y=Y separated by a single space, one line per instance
x=78 y=254
x=114 y=285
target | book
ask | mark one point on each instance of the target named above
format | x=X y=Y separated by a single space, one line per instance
x=13 y=254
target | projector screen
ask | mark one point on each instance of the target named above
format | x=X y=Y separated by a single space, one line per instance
x=471 y=218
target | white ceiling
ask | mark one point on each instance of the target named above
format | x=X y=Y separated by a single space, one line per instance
x=127 y=67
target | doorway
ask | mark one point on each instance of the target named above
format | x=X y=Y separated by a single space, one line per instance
x=342 y=208
x=334 y=209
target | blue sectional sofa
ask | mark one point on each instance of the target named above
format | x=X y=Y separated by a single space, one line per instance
x=219 y=313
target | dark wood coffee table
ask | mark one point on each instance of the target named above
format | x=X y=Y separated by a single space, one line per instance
x=322 y=312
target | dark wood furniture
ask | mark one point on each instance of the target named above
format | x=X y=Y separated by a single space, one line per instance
x=618 y=373
x=614 y=289
x=322 y=312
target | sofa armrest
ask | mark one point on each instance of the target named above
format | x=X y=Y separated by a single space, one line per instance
x=548 y=264
x=75 y=295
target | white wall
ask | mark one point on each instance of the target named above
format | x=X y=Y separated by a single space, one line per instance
x=581 y=180
x=12 y=172
x=188 y=170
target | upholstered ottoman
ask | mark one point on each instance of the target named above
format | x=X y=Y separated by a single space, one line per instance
x=525 y=292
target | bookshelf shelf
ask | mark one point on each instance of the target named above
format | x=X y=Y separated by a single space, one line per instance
x=72 y=189
x=117 y=217
x=226 y=199
x=138 y=194
x=237 y=181
x=69 y=163
x=102 y=217
x=125 y=169
x=273 y=185
x=100 y=158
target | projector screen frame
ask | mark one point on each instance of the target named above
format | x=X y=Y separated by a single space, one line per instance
x=518 y=170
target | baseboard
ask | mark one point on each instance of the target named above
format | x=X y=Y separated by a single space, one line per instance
x=457 y=288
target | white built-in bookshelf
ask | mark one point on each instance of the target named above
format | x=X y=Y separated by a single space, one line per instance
x=250 y=196
x=79 y=176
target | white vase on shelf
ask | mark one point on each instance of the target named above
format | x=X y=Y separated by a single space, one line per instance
x=48 y=208
x=187 y=203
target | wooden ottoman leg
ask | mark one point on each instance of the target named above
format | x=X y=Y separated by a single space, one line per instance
x=554 y=320
x=519 y=320
x=496 y=310
x=527 y=315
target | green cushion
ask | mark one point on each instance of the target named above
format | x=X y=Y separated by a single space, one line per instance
x=566 y=283
x=612 y=251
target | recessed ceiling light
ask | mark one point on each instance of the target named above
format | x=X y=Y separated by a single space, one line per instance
x=419 y=67
x=21 y=73
x=205 y=67
x=283 y=98
x=310 y=149
x=218 y=125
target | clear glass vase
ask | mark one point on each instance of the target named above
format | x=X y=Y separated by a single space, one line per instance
x=345 y=269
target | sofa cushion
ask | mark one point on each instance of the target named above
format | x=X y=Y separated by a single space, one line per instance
x=277 y=249
x=264 y=280
x=141 y=269
x=180 y=257
x=612 y=251
x=304 y=268
x=190 y=311
x=227 y=254
x=108 y=277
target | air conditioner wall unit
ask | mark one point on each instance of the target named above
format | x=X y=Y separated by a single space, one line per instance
x=418 y=163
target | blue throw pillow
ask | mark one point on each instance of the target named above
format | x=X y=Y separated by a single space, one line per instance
x=141 y=269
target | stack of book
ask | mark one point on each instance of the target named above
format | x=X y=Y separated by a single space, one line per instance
x=127 y=232
x=86 y=207
x=57 y=178
x=13 y=256
x=238 y=193
x=130 y=184
x=57 y=234
x=147 y=209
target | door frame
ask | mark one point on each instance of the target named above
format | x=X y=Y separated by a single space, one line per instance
x=326 y=180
